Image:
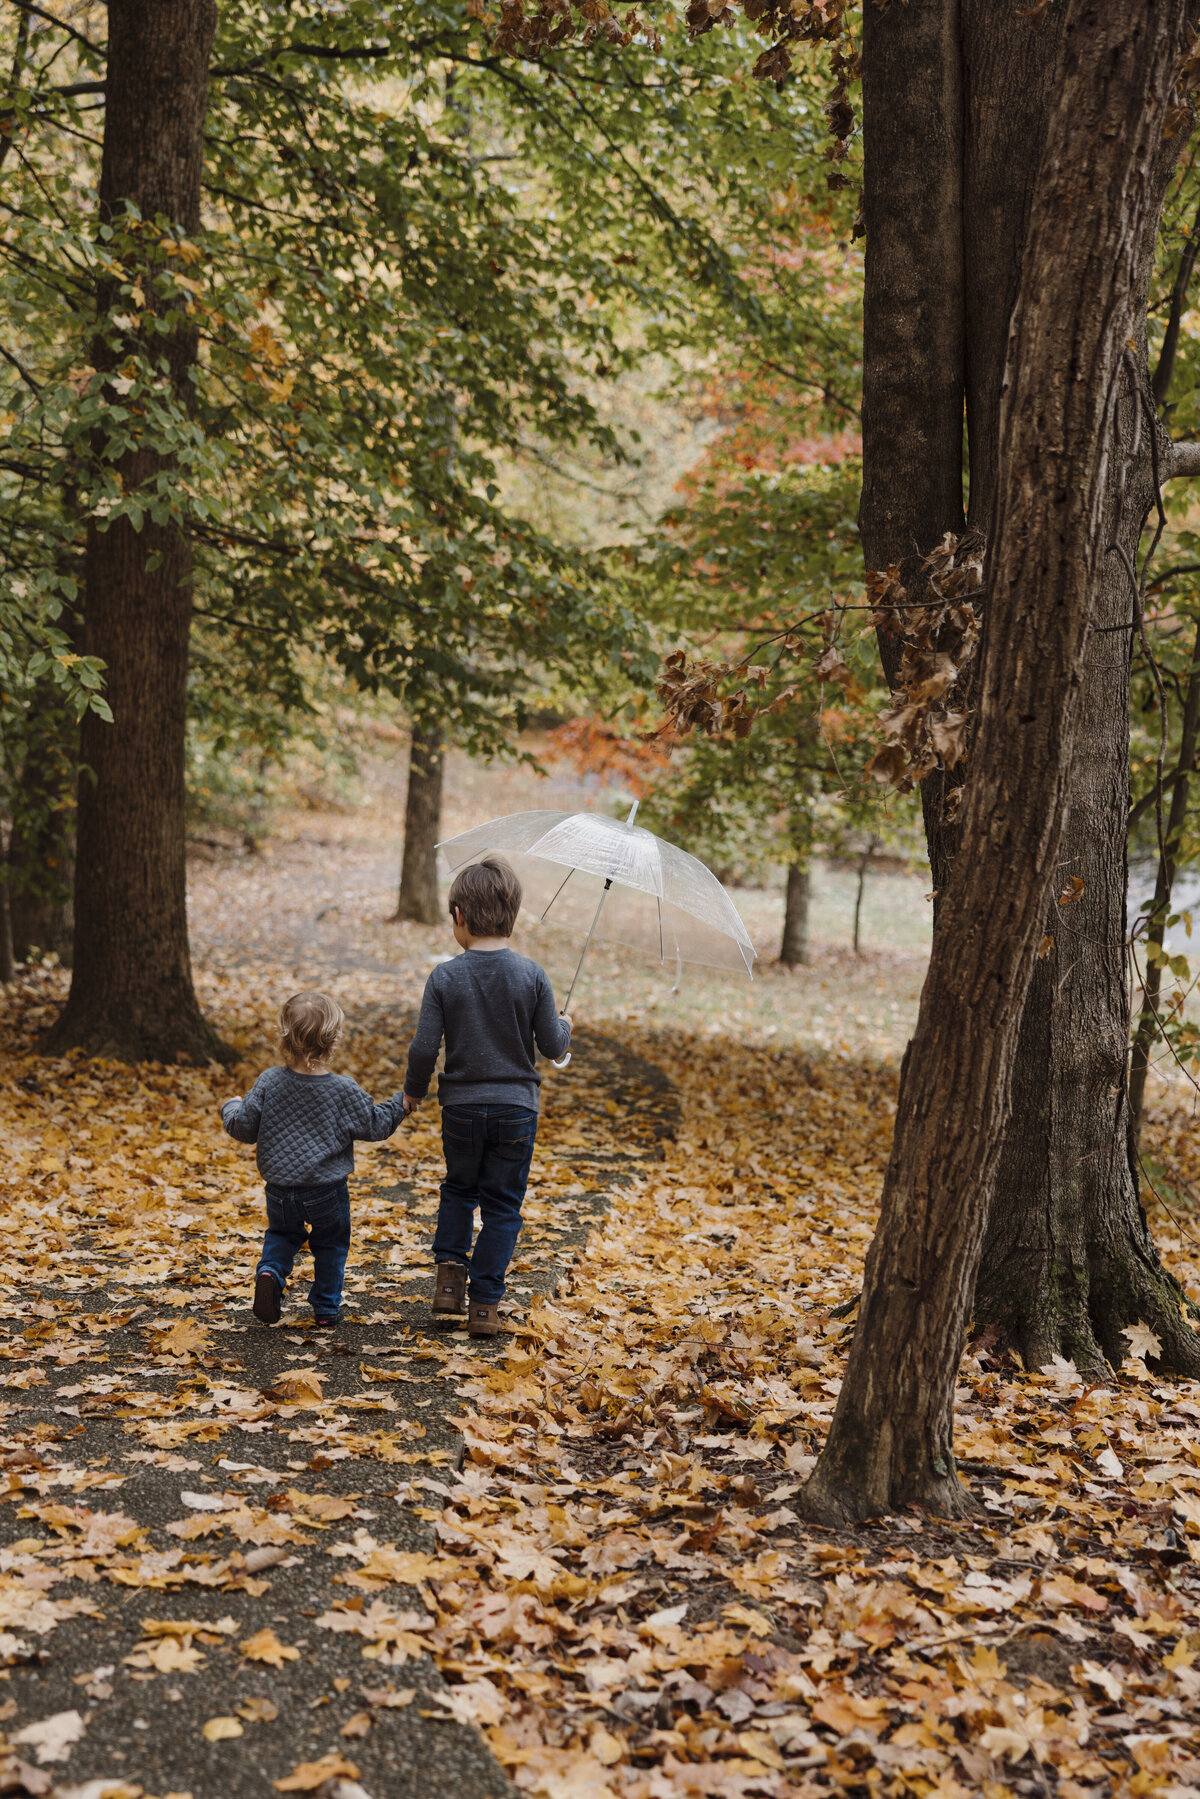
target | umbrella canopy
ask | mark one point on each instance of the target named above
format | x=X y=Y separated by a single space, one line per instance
x=659 y=899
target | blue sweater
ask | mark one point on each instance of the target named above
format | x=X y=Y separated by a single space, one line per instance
x=305 y=1124
x=493 y=1007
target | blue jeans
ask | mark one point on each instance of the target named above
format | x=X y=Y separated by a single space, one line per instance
x=322 y=1216
x=488 y=1150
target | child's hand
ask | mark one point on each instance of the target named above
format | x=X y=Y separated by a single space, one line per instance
x=567 y=1020
x=411 y=1104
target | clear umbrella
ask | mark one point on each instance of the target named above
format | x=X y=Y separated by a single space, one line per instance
x=615 y=880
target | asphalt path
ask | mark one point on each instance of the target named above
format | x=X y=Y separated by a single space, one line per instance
x=128 y=1717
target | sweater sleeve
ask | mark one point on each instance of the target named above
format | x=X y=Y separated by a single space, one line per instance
x=427 y=1041
x=241 y=1117
x=551 y=1033
x=369 y=1122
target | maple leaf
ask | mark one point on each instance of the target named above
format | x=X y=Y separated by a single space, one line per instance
x=1142 y=1341
x=265 y=1646
x=185 y=1337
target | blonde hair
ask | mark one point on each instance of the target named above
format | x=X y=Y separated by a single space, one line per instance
x=309 y=1026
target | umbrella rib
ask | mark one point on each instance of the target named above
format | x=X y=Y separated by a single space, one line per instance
x=557 y=891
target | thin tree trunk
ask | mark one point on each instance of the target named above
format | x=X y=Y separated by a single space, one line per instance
x=418 y=898
x=41 y=849
x=863 y=863
x=1165 y=367
x=7 y=963
x=131 y=992
x=794 y=948
x=891 y=1438
x=1164 y=883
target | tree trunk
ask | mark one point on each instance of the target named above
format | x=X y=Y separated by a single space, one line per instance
x=864 y=862
x=1161 y=903
x=418 y=899
x=1067 y=1261
x=131 y=992
x=794 y=947
x=41 y=849
x=891 y=1438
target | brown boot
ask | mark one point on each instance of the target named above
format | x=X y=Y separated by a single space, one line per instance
x=484 y=1322
x=450 y=1288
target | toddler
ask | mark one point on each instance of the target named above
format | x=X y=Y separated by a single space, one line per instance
x=304 y=1120
x=492 y=1007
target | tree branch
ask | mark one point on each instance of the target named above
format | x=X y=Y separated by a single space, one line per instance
x=1182 y=459
x=39 y=12
x=1161 y=384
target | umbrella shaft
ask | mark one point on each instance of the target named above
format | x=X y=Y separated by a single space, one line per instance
x=583 y=952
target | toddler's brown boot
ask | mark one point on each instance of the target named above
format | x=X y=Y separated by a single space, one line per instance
x=450 y=1289
x=484 y=1321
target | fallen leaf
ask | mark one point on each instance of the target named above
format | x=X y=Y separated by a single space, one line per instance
x=310 y=1775
x=1142 y=1341
x=217 y=1730
x=52 y=1737
x=266 y=1647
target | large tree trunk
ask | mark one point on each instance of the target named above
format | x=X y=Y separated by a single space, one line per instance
x=912 y=310
x=131 y=991
x=794 y=947
x=1068 y=1260
x=418 y=898
x=891 y=1438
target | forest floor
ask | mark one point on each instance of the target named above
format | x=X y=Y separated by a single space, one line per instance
x=235 y=1561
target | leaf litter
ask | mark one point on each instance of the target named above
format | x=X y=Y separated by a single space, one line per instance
x=617 y=1592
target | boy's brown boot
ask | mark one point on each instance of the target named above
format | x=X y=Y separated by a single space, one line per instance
x=450 y=1288
x=484 y=1320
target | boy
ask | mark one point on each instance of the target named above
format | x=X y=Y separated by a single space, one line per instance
x=305 y=1119
x=492 y=1006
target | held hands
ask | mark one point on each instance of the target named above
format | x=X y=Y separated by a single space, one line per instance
x=411 y=1104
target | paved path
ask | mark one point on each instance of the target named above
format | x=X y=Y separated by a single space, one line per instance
x=204 y=1515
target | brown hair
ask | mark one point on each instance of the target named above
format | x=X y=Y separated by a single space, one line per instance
x=488 y=894
x=309 y=1026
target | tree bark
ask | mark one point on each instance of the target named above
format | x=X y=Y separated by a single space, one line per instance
x=891 y=1438
x=418 y=898
x=794 y=947
x=1163 y=885
x=913 y=314
x=1068 y=1260
x=41 y=848
x=131 y=993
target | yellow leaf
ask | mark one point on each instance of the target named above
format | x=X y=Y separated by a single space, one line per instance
x=168 y=1655
x=761 y=1748
x=217 y=1730
x=266 y=1647
x=184 y=1338
x=311 y=1775
x=754 y=1622
x=606 y=1748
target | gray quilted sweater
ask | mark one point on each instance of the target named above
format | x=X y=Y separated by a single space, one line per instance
x=305 y=1125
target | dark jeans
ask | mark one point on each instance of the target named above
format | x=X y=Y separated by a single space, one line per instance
x=488 y=1151
x=317 y=1218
